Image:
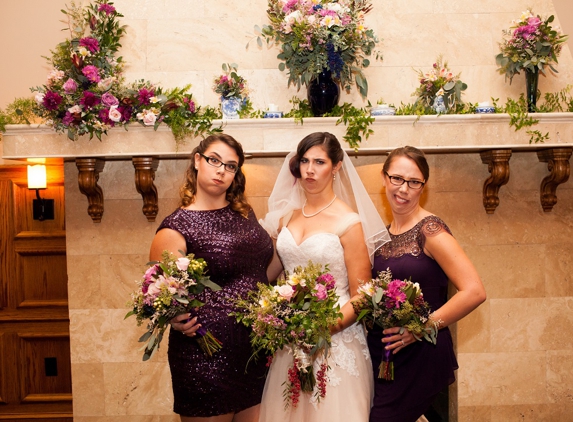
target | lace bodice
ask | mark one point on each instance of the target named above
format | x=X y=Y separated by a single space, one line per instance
x=412 y=241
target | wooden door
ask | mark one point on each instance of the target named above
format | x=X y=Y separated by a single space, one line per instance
x=35 y=369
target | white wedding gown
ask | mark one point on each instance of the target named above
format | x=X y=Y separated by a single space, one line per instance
x=349 y=388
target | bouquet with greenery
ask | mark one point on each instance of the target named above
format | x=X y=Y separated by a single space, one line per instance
x=321 y=35
x=168 y=288
x=440 y=82
x=85 y=92
x=390 y=303
x=296 y=313
x=230 y=84
x=529 y=44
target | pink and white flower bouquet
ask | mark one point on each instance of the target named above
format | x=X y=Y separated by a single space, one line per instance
x=321 y=35
x=168 y=288
x=296 y=313
x=389 y=303
x=530 y=44
x=440 y=81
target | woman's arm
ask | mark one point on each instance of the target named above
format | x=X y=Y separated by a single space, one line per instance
x=275 y=266
x=174 y=242
x=358 y=267
x=450 y=256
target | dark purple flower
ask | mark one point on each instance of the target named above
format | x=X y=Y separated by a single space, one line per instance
x=107 y=8
x=68 y=119
x=92 y=73
x=89 y=100
x=52 y=100
x=144 y=95
x=104 y=117
x=126 y=112
x=90 y=43
x=109 y=100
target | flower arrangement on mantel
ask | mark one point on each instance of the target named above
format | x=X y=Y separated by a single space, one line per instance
x=86 y=93
x=440 y=81
x=321 y=34
x=530 y=44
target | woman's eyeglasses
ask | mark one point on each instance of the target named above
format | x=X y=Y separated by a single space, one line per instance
x=215 y=162
x=399 y=181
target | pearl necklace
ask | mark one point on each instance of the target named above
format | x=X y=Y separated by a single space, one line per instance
x=319 y=211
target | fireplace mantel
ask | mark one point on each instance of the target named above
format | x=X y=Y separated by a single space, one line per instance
x=490 y=135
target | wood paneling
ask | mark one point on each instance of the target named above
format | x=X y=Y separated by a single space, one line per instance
x=35 y=369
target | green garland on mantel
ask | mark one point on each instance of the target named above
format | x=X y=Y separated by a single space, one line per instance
x=358 y=120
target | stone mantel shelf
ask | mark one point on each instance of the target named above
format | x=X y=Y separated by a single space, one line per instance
x=487 y=134
x=276 y=137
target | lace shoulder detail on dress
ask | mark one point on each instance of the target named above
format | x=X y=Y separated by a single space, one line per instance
x=412 y=241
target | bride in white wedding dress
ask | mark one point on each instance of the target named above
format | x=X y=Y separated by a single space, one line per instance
x=320 y=211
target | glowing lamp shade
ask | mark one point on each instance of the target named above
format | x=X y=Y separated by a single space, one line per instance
x=37 y=177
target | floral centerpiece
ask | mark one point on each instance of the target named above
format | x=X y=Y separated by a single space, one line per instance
x=389 y=303
x=439 y=88
x=530 y=44
x=233 y=90
x=296 y=313
x=86 y=94
x=168 y=288
x=321 y=35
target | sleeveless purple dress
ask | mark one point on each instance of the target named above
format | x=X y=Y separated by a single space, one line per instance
x=237 y=251
x=421 y=370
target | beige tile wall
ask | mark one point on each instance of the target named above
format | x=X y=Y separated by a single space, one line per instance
x=515 y=351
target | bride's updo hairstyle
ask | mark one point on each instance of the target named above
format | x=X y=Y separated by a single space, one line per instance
x=235 y=193
x=413 y=154
x=327 y=140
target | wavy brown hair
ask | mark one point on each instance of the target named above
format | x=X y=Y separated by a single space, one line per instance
x=235 y=193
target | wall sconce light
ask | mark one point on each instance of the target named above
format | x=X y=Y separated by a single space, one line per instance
x=43 y=208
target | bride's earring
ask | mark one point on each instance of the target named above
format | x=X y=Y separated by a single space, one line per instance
x=334 y=176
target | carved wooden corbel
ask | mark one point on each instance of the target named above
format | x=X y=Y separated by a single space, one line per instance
x=497 y=161
x=144 y=176
x=88 y=176
x=557 y=160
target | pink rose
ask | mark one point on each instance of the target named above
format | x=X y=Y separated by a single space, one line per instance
x=321 y=293
x=70 y=86
x=114 y=114
x=285 y=291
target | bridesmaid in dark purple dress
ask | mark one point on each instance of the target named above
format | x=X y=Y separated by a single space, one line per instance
x=423 y=249
x=216 y=223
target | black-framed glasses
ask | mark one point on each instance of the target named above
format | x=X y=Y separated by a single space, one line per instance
x=215 y=162
x=399 y=181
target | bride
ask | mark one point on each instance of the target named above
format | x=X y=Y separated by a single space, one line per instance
x=320 y=211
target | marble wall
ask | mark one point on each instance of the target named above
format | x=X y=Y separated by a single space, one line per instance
x=515 y=351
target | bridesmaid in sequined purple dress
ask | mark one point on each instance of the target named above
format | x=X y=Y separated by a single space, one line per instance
x=423 y=249
x=216 y=223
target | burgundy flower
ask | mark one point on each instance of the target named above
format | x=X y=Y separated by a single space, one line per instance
x=89 y=100
x=68 y=119
x=77 y=61
x=52 y=100
x=93 y=22
x=107 y=8
x=104 y=117
x=126 y=112
x=92 y=73
x=144 y=95
x=90 y=43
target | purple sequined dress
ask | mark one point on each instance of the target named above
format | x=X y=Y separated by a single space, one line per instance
x=421 y=370
x=237 y=251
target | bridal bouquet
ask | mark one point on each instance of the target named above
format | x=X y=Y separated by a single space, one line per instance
x=168 y=288
x=389 y=303
x=530 y=44
x=321 y=35
x=297 y=312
